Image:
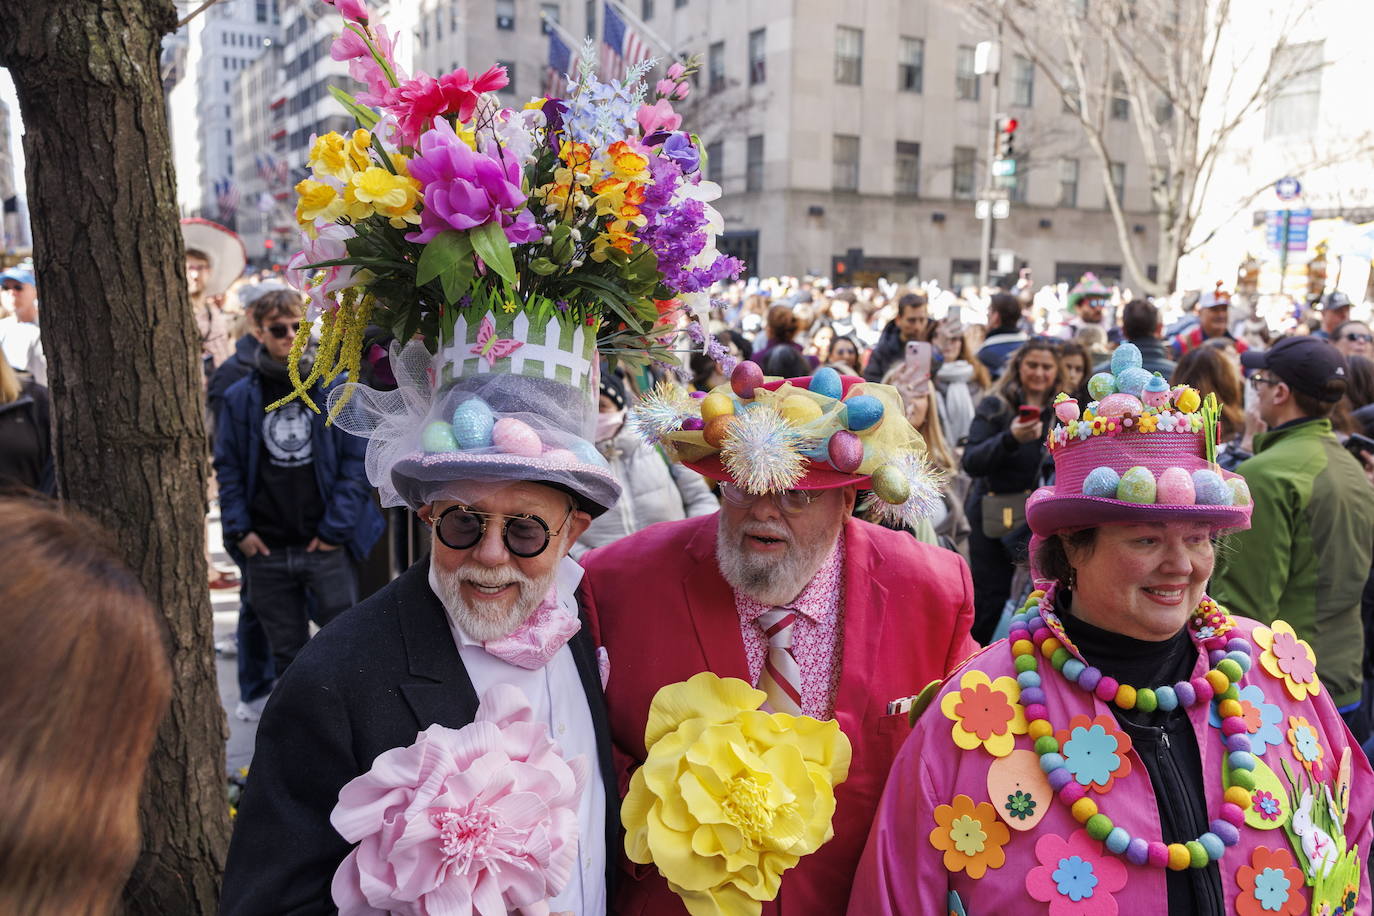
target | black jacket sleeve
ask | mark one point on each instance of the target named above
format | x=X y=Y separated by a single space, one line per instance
x=990 y=444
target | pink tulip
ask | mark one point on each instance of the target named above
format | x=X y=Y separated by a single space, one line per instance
x=665 y=88
x=676 y=71
x=682 y=90
x=658 y=116
x=354 y=10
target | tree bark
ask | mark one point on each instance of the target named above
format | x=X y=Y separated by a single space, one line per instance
x=126 y=381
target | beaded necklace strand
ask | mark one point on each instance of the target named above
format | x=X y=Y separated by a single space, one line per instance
x=1037 y=630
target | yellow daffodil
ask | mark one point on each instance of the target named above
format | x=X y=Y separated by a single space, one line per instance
x=327 y=156
x=358 y=150
x=729 y=796
x=626 y=164
x=316 y=203
x=393 y=196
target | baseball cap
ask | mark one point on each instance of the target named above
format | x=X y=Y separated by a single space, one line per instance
x=1333 y=300
x=1306 y=364
x=20 y=274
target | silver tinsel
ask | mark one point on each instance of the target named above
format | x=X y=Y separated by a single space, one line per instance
x=763 y=452
x=660 y=413
x=927 y=483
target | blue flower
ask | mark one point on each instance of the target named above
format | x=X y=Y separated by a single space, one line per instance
x=1271 y=889
x=1305 y=740
x=680 y=149
x=1091 y=755
x=1260 y=717
x=1074 y=878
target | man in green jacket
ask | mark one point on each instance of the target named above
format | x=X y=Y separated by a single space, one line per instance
x=1307 y=553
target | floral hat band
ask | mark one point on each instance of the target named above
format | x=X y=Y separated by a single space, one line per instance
x=1141 y=451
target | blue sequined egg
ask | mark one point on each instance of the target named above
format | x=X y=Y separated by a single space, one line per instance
x=1101 y=385
x=1137 y=486
x=438 y=437
x=826 y=381
x=1211 y=490
x=1126 y=356
x=472 y=424
x=586 y=452
x=1101 y=482
x=863 y=411
x=1133 y=381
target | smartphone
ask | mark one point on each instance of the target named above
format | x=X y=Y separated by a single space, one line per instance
x=1357 y=443
x=918 y=357
x=1027 y=413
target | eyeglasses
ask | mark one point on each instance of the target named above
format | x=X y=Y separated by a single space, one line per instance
x=280 y=331
x=11 y=287
x=791 y=502
x=1257 y=380
x=1367 y=338
x=461 y=527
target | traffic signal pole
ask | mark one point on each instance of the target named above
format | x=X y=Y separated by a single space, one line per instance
x=994 y=127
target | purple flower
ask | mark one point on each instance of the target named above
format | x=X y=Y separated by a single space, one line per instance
x=680 y=149
x=666 y=175
x=464 y=189
x=553 y=116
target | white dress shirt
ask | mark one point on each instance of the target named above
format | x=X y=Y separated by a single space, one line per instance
x=556 y=696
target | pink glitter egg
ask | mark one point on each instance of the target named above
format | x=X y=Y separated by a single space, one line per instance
x=1175 y=488
x=1120 y=405
x=846 y=451
x=515 y=437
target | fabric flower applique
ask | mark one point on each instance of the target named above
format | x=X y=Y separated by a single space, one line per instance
x=1263 y=721
x=1306 y=746
x=970 y=836
x=1289 y=659
x=1074 y=876
x=1266 y=804
x=1147 y=423
x=1167 y=423
x=1095 y=751
x=985 y=712
x=1271 y=883
x=1020 y=805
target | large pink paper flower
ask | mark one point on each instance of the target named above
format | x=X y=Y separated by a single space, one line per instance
x=481 y=819
x=1074 y=876
x=423 y=99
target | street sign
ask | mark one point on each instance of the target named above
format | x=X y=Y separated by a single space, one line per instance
x=1286 y=230
x=1006 y=260
x=998 y=209
x=1288 y=188
x=982 y=209
x=1002 y=168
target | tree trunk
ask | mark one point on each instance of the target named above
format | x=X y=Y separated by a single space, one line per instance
x=126 y=380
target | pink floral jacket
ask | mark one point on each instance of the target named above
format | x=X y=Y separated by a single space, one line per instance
x=969 y=825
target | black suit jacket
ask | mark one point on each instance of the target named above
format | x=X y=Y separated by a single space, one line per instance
x=370 y=681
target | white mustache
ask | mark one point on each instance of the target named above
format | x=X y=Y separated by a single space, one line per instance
x=777 y=532
x=490 y=577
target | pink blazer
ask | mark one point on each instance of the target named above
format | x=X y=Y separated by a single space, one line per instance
x=658 y=604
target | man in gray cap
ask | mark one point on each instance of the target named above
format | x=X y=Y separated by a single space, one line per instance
x=19 y=338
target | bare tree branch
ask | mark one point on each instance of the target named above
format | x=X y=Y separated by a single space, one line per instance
x=197 y=11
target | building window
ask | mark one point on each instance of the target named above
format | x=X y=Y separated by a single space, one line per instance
x=591 y=18
x=965 y=78
x=1068 y=182
x=965 y=177
x=753 y=167
x=908 y=168
x=1118 y=172
x=1022 y=81
x=1297 y=76
x=550 y=14
x=439 y=23
x=505 y=14
x=911 y=62
x=1016 y=190
x=679 y=4
x=757 y=62
x=1121 y=100
x=846 y=166
x=509 y=88
x=715 y=162
x=849 y=55
x=646 y=9
x=716 y=68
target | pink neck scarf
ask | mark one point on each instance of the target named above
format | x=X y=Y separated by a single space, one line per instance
x=539 y=638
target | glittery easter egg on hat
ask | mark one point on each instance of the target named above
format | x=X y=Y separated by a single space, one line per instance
x=845 y=450
x=716 y=404
x=826 y=381
x=1119 y=405
x=1101 y=385
x=1240 y=491
x=515 y=437
x=438 y=437
x=1126 y=356
x=1211 y=490
x=472 y=424
x=746 y=376
x=1156 y=391
x=1101 y=482
x=1133 y=381
x=587 y=453
x=799 y=409
x=693 y=423
x=1137 y=486
x=1175 y=487
x=862 y=411
x=890 y=485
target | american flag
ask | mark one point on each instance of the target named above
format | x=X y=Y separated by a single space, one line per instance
x=621 y=48
x=560 y=62
x=227 y=197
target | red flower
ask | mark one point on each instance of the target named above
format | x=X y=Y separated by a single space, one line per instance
x=416 y=102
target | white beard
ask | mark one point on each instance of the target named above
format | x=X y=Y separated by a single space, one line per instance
x=489 y=621
x=765 y=579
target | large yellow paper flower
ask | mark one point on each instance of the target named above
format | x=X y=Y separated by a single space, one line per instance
x=729 y=797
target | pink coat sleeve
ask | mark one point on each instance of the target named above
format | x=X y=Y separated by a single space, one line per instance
x=961 y=644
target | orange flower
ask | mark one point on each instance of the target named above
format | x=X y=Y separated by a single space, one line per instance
x=627 y=164
x=1306 y=745
x=985 y=712
x=970 y=836
x=1271 y=883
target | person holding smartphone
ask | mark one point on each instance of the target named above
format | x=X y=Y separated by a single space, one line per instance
x=1006 y=457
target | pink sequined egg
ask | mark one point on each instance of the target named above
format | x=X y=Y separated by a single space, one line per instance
x=1120 y=405
x=1175 y=488
x=515 y=437
x=846 y=451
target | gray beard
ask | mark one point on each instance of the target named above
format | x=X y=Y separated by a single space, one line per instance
x=487 y=624
x=770 y=581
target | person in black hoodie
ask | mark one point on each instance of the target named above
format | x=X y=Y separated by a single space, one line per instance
x=25 y=433
x=912 y=323
x=1006 y=456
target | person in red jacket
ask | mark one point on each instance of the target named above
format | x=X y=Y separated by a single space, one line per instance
x=1213 y=315
x=874 y=616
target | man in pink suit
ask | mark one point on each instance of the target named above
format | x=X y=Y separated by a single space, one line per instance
x=872 y=616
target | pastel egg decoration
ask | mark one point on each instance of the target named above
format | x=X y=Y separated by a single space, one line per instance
x=1210 y=490
x=1156 y=392
x=1175 y=488
x=1101 y=385
x=1240 y=491
x=1126 y=356
x=715 y=430
x=438 y=437
x=473 y=423
x=1137 y=486
x=515 y=437
x=747 y=376
x=799 y=409
x=826 y=381
x=1101 y=482
x=585 y=451
x=862 y=411
x=1188 y=400
x=1119 y=405
x=717 y=404
x=1133 y=381
x=845 y=450
x=693 y=424
x=561 y=457
x=891 y=485
x=1066 y=409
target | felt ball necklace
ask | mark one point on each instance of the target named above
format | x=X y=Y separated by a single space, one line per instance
x=1036 y=631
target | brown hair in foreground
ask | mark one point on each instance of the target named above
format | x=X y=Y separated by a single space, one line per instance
x=84 y=682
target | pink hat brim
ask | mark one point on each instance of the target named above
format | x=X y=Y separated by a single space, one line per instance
x=1052 y=514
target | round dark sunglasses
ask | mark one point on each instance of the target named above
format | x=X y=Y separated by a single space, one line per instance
x=462 y=527
x=280 y=331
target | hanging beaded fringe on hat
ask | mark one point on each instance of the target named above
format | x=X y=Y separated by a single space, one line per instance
x=340 y=350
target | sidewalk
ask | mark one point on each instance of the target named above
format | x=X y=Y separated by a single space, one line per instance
x=225 y=604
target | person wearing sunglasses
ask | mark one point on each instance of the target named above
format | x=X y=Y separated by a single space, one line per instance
x=1353 y=338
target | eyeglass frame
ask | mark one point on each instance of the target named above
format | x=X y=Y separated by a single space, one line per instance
x=436 y=520
x=1256 y=380
x=743 y=499
x=1351 y=336
x=286 y=328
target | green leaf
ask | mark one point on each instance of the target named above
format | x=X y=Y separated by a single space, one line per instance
x=366 y=117
x=493 y=248
x=443 y=254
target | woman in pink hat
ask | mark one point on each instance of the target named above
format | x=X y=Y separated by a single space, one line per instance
x=1130 y=747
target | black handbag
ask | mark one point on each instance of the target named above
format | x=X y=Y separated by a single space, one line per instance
x=1003 y=513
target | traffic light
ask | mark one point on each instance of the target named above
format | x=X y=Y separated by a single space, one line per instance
x=1006 y=138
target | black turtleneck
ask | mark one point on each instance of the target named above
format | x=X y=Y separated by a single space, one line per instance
x=1165 y=742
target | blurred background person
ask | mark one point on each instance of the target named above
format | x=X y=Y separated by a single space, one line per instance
x=960 y=382
x=1141 y=325
x=82 y=659
x=20 y=343
x=1353 y=338
x=782 y=333
x=1210 y=371
x=25 y=433
x=1004 y=333
x=912 y=322
x=844 y=356
x=1076 y=365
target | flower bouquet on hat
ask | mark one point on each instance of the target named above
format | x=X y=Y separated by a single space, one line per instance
x=730 y=796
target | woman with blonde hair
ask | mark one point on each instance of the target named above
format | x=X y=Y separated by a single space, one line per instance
x=84 y=682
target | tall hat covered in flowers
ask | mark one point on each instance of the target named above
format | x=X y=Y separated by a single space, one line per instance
x=507 y=249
